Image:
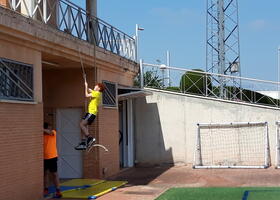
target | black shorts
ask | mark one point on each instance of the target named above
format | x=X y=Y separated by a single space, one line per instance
x=50 y=164
x=89 y=118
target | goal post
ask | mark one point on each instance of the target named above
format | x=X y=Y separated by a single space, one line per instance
x=232 y=145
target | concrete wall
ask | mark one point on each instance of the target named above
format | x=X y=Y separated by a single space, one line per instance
x=166 y=124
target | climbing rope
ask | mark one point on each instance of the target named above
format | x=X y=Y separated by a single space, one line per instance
x=95 y=81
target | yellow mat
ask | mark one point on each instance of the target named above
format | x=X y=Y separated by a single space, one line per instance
x=94 y=191
x=81 y=182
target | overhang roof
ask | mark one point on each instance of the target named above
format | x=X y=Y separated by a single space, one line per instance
x=125 y=93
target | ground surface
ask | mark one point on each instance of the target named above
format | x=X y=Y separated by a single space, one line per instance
x=221 y=193
x=150 y=182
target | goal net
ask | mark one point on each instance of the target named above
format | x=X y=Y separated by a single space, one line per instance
x=232 y=145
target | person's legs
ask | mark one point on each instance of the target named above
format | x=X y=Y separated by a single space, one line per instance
x=83 y=125
x=54 y=176
x=87 y=139
x=45 y=177
x=55 y=179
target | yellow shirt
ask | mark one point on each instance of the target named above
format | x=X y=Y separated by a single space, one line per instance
x=50 y=150
x=94 y=102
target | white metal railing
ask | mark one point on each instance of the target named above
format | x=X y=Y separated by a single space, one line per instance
x=207 y=84
x=72 y=19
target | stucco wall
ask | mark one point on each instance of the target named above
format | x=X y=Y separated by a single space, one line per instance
x=166 y=124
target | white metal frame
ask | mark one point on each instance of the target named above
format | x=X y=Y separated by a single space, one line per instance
x=128 y=153
x=197 y=153
x=248 y=84
x=277 y=157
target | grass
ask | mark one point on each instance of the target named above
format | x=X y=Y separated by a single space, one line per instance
x=222 y=193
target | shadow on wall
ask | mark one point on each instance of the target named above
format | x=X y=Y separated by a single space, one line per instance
x=152 y=158
x=150 y=148
x=149 y=141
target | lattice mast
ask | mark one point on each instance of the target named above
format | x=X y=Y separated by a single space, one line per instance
x=222 y=42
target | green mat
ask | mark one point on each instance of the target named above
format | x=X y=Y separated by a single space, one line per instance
x=82 y=182
x=94 y=191
x=243 y=193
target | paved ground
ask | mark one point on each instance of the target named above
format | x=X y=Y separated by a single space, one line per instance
x=148 y=183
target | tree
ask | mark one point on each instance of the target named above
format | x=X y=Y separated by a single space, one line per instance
x=195 y=82
x=150 y=80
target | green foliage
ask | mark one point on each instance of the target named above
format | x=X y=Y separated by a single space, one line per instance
x=136 y=81
x=245 y=95
x=173 y=89
x=249 y=95
x=150 y=80
x=195 y=82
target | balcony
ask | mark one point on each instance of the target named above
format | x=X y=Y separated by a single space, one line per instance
x=72 y=19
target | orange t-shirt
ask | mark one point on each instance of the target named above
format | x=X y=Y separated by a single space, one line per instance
x=50 y=150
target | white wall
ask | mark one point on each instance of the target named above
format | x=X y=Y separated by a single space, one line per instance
x=166 y=124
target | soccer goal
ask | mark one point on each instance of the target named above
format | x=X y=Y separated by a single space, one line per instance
x=232 y=145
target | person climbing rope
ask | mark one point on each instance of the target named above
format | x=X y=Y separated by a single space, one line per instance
x=95 y=95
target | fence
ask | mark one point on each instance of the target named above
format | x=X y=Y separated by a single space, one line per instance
x=72 y=19
x=206 y=84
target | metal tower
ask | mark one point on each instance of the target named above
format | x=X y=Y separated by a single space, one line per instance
x=222 y=46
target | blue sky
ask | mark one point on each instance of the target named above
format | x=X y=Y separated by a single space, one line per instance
x=180 y=27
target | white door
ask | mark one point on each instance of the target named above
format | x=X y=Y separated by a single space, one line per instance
x=130 y=134
x=68 y=136
x=127 y=134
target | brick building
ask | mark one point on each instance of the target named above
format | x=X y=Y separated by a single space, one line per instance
x=42 y=53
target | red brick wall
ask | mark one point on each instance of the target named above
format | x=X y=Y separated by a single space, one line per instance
x=70 y=93
x=109 y=136
x=21 y=151
x=92 y=159
x=108 y=127
x=63 y=88
x=4 y=3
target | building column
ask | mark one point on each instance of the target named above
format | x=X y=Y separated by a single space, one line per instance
x=91 y=7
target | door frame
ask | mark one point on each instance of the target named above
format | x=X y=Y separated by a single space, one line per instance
x=127 y=153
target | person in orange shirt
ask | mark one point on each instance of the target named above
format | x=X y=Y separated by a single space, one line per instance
x=50 y=159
